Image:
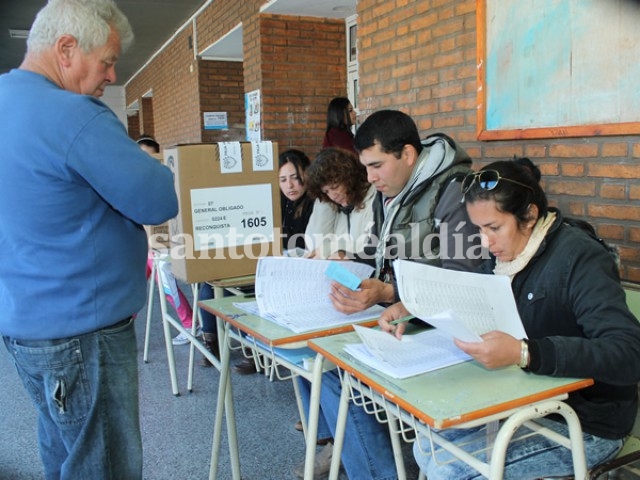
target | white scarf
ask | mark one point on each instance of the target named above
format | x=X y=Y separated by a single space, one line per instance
x=516 y=265
x=430 y=162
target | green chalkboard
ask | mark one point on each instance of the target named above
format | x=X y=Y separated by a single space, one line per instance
x=558 y=68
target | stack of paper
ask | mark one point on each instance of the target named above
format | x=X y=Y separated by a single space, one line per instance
x=459 y=304
x=294 y=292
x=412 y=355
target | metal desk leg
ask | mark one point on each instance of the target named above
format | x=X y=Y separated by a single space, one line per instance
x=167 y=334
x=395 y=425
x=218 y=292
x=341 y=426
x=536 y=411
x=195 y=289
x=225 y=402
x=303 y=417
x=232 y=435
x=147 y=332
x=311 y=433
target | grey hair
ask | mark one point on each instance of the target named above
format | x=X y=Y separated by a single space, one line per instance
x=88 y=21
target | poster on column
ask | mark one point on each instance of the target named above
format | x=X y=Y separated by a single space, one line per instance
x=232 y=216
x=253 y=116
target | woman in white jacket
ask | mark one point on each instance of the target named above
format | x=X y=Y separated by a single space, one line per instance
x=342 y=216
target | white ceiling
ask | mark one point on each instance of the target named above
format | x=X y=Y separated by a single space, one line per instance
x=230 y=46
x=154 y=22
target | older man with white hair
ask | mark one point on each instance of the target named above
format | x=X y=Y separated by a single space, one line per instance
x=74 y=192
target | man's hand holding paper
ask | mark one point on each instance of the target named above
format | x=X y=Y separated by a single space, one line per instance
x=370 y=292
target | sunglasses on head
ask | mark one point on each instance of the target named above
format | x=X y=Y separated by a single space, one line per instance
x=487 y=180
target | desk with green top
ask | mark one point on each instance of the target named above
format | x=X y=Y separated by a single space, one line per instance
x=459 y=396
x=270 y=340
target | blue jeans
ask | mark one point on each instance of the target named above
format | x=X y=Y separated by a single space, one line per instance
x=304 y=386
x=208 y=320
x=86 y=392
x=530 y=458
x=367 y=452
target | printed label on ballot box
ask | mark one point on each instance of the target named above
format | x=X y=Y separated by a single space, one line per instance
x=230 y=216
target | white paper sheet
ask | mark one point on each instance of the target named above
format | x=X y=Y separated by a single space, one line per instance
x=295 y=293
x=477 y=303
x=413 y=354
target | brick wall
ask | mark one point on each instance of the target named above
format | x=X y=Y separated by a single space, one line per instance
x=222 y=90
x=420 y=57
x=303 y=64
x=173 y=77
x=133 y=125
x=298 y=64
x=146 y=116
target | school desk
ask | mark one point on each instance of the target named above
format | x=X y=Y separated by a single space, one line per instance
x=458 y=396
x=272 y=341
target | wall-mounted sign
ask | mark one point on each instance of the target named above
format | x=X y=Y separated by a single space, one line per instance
x=215 y=121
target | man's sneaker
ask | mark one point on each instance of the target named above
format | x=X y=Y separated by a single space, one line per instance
x=180 y=339
x=321 y=465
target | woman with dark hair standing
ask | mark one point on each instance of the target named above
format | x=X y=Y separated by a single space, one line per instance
x=340 y=118
x=295 y=203
x=566 y=285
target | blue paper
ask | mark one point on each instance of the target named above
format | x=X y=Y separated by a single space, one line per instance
x=338 y=273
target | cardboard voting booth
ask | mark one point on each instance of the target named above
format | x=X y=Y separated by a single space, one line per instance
x=229 y=201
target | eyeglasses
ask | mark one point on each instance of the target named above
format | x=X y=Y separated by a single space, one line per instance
x=487 y=180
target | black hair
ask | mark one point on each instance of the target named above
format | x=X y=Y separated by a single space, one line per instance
x=300 y=162
x=391 y=129
x=510 y=197
x=338 y=114
x=148 y=141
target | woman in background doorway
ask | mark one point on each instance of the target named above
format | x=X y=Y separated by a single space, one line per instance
x=340 y=118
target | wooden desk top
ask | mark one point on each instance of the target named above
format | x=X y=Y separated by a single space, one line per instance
x=452 y=395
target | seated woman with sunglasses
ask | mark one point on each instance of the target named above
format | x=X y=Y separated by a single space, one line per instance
x=566 y=286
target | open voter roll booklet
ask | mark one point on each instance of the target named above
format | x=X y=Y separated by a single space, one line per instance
x=463 y=305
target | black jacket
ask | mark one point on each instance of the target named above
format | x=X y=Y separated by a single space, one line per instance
x=575 y=314
x=295 y=216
